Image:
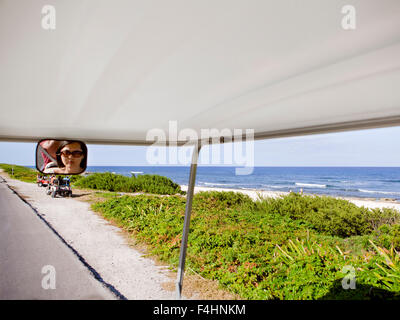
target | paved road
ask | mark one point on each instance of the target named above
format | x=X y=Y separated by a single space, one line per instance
x=34 y=262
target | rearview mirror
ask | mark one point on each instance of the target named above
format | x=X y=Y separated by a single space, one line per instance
x=61 y=156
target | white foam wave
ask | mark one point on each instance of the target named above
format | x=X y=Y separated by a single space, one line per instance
x=310 y=185
x=277 y=187
x=375 y=191
x=218 y=184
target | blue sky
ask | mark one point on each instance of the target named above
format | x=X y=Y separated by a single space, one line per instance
x=376 y=147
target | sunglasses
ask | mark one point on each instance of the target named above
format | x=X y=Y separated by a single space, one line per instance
x=75 y=154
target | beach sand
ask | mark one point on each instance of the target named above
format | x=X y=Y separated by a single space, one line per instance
x=257 y=194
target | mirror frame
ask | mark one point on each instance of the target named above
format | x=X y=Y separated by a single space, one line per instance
x=71 y=141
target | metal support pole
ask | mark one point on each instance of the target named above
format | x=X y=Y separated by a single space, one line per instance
x=188 y=211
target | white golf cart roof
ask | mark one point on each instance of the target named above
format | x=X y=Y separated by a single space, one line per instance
x=111 y=71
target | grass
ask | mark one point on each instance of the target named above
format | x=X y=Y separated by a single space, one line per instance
x=20 y=172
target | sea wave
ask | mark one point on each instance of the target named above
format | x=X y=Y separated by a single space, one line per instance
x=276 y=186
x=310 y=185
x=218 y=184
x=380 y=192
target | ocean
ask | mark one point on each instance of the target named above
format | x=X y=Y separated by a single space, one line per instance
x=360 y=182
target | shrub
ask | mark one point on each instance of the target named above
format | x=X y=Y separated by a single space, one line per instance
x=335 y=217
x=252 y=250
x=388 y=236
x=225 y=199
x=156 y=184
x=144 y=183
x=384 y=216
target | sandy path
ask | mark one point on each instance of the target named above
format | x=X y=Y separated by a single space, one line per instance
x=101 y=245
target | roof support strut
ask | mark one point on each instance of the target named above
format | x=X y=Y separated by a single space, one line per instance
x=188 y=211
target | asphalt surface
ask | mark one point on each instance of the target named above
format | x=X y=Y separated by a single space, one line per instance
x=35 y=264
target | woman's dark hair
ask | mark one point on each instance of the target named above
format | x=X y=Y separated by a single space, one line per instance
x=66 y=142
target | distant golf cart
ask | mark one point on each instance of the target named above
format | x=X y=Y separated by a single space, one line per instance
x=61 y=187
x=42 y=181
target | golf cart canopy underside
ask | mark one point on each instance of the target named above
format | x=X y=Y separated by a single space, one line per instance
x=111 y=71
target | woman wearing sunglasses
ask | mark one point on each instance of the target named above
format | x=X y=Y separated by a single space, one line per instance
x=71 y=158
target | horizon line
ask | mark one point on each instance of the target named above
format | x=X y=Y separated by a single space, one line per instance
x=226 y=166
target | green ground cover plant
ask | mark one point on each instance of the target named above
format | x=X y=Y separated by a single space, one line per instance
x=260 y=251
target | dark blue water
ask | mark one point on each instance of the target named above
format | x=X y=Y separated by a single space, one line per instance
x=362 y=182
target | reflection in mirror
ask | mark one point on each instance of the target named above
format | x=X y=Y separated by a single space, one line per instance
x=61 y=156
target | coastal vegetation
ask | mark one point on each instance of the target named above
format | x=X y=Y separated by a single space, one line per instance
x=292 y=247
x=106 y=181
x=19 y=172
x=118 y=183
